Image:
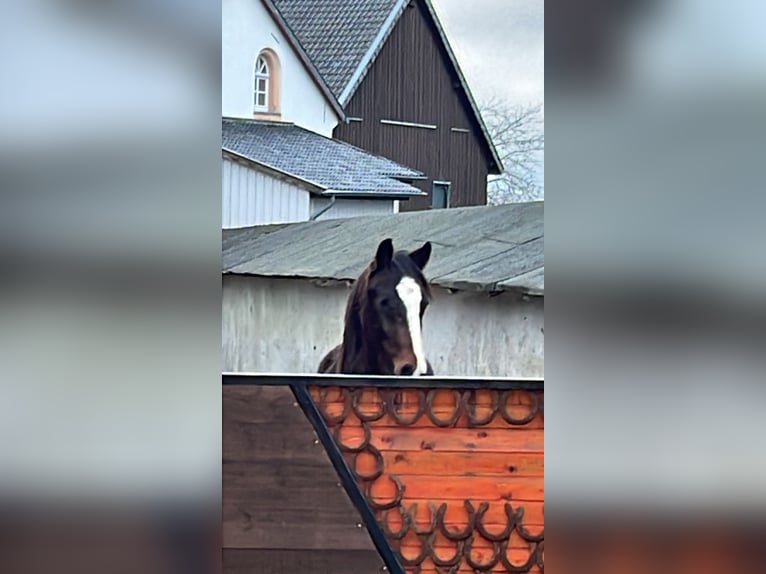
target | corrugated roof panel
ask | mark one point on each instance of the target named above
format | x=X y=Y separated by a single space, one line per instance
x=474 y=248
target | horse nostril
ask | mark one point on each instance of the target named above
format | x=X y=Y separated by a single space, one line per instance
x=407 y=370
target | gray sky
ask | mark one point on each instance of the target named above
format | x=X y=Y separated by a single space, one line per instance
x=499 y=45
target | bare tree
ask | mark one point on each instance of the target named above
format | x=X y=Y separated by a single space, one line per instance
x=518 y=134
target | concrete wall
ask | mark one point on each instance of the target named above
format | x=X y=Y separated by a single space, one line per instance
x=287 y=325
x=247 y=29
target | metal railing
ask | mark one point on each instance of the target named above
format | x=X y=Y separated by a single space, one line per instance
x=304 y=380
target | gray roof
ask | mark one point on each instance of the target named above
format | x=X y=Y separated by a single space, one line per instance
x=337 y=34
x=330 y=165
x=343 y=38
x=487 y=248
x=318 y=78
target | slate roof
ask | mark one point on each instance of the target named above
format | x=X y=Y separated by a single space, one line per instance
x=311 y=68
x=334 y=167
x=343 y=38
x=486 y=248
x=336 y=34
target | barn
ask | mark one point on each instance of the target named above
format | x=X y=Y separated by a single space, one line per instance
x=285 y=288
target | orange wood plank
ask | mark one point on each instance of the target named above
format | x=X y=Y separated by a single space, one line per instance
x=439 y=487
x=447 y=439
x=463 y=463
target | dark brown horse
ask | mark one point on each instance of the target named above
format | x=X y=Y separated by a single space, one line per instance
x=384 y=313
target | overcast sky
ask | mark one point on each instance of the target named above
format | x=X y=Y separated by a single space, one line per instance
x=499 y=45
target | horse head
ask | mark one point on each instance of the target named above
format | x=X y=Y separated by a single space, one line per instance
x=383 y=332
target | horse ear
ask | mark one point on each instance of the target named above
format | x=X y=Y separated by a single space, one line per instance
x=422 y=255
x=384 y=254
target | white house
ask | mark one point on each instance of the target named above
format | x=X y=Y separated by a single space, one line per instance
x=265 y=73
x=285 y=289
x=279 y=163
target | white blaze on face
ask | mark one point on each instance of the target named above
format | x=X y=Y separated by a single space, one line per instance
x=409 y=292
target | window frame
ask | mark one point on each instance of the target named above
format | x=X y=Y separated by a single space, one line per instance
x=266 y=78
x=442 y=184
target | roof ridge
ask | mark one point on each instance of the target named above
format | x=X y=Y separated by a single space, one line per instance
x=373 y=50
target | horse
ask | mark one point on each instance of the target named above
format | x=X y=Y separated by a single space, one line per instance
x=383 y=319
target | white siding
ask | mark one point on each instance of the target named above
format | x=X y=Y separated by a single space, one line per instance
x=247 y=29
x=254 y=198
x=345 y=208
x=287 y=325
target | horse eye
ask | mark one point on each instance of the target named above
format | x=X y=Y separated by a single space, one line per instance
x=385 y=302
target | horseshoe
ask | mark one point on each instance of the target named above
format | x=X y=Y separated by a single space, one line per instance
x=478 y=565
x=362 y=416
x=401 y=533
x=418 y=559
x=502 y=536
x=510 y=567
x=331 y=420
x=386 y=505
x=345 y=448
x=523 y=420
x=391 y=408
x=524 y=533
x=456 y=558
x=430 y=411
x=378 y=463
x=431 y=527
x=460 y=534
x=471 y=413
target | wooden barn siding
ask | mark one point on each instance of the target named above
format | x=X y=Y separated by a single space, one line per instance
x=496 y=463
x=283 y=511
x=410 y=81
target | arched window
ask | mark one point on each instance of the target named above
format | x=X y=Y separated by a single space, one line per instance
x=267 y=81
x=262 y=79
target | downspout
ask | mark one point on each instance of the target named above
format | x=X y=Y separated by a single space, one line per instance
x=325 y=209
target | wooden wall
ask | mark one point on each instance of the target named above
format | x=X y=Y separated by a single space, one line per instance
x=411 y=81
x=430 y=453
x=283 y=509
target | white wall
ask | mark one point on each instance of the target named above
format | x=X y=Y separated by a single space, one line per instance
x=344 y=208
x=251 y=197
x=287 y=325
x=247 y=29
